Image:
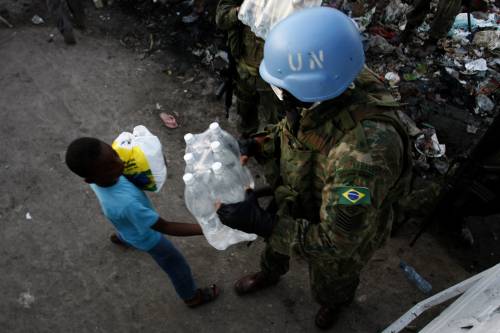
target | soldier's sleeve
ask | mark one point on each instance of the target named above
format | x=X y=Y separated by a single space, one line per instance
x=226 y=16
x=271 y=143
x=361 y=172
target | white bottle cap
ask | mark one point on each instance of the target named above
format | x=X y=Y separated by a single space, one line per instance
x=189 y=158
x=188 y=138
x=188 y=178
x=214 y=125
x=217 y=168
x=216 y=146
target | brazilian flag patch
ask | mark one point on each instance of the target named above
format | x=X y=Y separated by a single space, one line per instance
x=353 y=195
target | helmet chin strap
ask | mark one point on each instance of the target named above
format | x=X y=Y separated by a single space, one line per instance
x=278 y=92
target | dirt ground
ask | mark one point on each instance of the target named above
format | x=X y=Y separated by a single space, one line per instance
x=60 y=273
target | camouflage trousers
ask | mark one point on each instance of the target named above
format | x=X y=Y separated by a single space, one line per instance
x=333 y=274
x=65 y=12
x=443 y=20
x=333 y=282
x=252 y=92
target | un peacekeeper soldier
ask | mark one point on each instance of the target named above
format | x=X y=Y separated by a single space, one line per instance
x=443 y=21
x=340 y=160
x=247 y=50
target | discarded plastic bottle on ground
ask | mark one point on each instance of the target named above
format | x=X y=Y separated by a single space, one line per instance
x=415 y=278
x=226 y=139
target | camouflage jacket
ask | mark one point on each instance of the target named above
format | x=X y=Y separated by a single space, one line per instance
x=246 y=48
x=337 y=177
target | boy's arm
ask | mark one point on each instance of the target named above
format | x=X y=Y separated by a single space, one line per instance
x=176 y=229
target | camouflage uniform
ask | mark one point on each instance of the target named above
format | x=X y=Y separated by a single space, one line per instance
x=352 y=144
x=247 y=50
x=65 y=13
x=443 y=19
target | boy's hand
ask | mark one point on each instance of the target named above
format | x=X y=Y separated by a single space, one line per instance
x=218 y=203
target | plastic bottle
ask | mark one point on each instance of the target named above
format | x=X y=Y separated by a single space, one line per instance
x=189 y=139
x=415 y=278
x=232 y=164
x=200 y=203
x=226 y=139
x=226 y=186
x=190 y=162
x=225 y=156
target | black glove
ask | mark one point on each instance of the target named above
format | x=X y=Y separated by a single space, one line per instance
x=247 y=216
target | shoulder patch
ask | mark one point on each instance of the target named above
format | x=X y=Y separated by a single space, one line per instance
x=353 y=195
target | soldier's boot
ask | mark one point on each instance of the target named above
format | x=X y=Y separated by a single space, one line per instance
x=326 y=317
x=254 y=282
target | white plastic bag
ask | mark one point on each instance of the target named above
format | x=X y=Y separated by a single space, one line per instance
x=262 y=15
x=142 y=154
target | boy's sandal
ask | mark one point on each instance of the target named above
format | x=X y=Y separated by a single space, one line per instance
x=203 y=296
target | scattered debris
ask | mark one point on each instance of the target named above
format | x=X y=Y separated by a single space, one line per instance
x=26 y=300
x=484 y=104
x=365 y=20
x=37 y=20
x=427 y=144
x=379 y=45
x=191 y=18
x=396 y=11
x=7 y=23
x=392 y=78
x=169 y=120
x=477 y=65
x=467 y=236
x=472 y=129
x=487 y=38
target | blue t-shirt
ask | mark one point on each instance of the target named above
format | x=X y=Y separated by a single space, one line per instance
x=131 y=212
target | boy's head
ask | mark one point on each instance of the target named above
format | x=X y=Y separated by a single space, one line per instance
x=95 y=161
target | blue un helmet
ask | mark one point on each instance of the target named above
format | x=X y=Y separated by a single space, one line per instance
x=314 y=54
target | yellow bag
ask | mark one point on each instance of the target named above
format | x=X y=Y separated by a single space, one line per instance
x=142 y=154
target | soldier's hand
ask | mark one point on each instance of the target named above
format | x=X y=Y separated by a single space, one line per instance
x=247 y=216
x=250 y=147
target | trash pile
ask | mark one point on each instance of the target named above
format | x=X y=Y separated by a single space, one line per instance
x=213 y=174
x=454 y=87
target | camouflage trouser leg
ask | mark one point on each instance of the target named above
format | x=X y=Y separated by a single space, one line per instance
x=274 y=264
x=417 y=15
x=334 y=283
x=247 y=106
x=59 y=11
x=445 y=16
x=76 y=7
x=252 y=91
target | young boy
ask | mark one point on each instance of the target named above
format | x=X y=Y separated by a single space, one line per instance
x=132 y=214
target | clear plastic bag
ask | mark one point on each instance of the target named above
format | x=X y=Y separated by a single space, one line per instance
x=262 y=15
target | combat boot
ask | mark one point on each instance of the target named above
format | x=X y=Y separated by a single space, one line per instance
x=254 y=282
x=326 y=317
